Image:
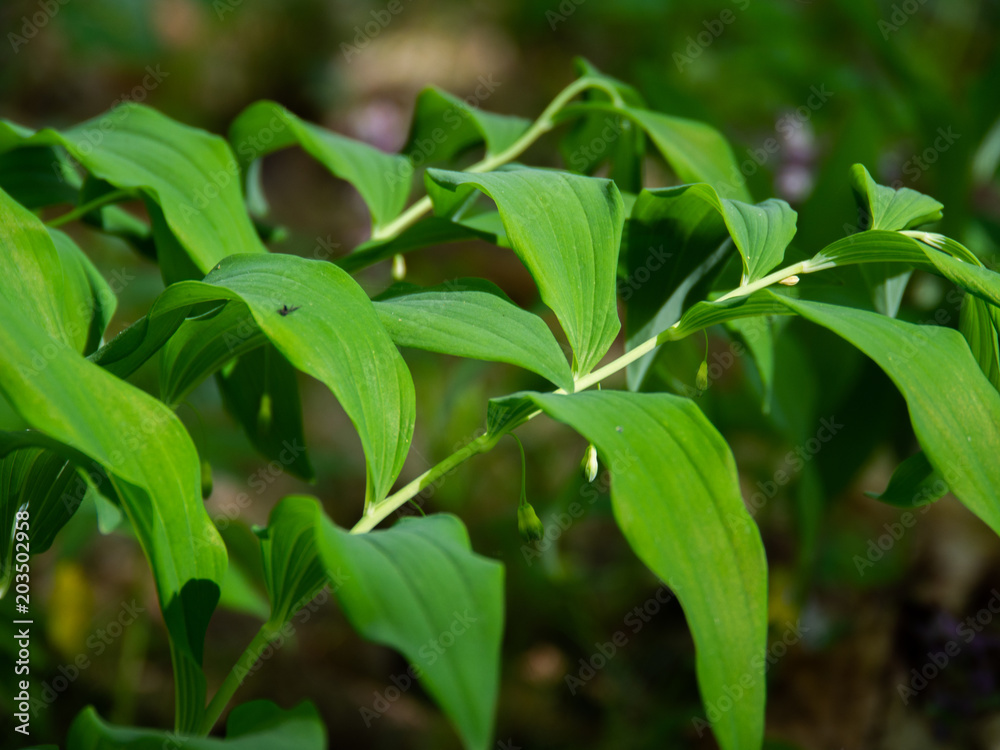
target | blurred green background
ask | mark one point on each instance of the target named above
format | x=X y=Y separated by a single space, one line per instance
x=802 y=88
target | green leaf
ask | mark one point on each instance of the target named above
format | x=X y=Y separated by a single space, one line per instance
x=259 y=388
x=262 y=393
x=695 y=151
x=676 y=497
x=322 y=322
x=913 y=483
x=44 y=484
x=566 y=229
x=925 y=250
x=191 y=175
x=32 y=264
x=151 y=462
x=759 y=336
x=257 y=725
x=881 y=207
x=760 y=232
x=148 y=456
x=239 y=594
x=979 y=322
x=433 y=230
x=886 y=283
x=672 y=245
x=382 y=179
x=605 y=136
x=38 y=176
x=956 y=418
x=444 y=126
x=420 y=589
x=293 y=570
x=88 y=300
x=203 y=344
x=474 y=318
x=706 y=314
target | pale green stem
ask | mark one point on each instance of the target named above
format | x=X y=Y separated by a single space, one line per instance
x=544 y=123
x=234 y=679
x=113 y=197
x=379 y=511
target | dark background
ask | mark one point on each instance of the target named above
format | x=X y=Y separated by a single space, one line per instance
x=899 y=75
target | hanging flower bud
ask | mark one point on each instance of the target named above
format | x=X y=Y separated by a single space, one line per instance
x=398 y=267
x=589 y=463
x=528 y=524
x=206 y=480
x=701 y=381
x=264 y=414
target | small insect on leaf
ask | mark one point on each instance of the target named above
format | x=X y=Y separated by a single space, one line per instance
x=286 y=310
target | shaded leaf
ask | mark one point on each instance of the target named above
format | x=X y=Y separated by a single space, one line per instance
x=979 y=322
x=293 y=571
x=434 y=230
x=261 y=391
x=257 y=725
x=38 y=176
x=420 y=589
x=382 y=179
x=956 y=418
x=444 y=126
x=88 y=300
x=913 y=483
x=760 y=232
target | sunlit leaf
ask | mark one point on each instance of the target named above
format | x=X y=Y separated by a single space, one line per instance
x=566 y=230
x=676 y=497
x=474 y=318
